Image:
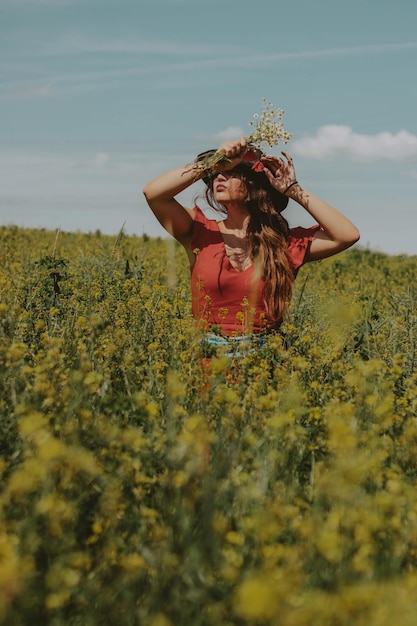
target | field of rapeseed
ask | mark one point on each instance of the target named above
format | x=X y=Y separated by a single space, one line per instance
x=142 y=486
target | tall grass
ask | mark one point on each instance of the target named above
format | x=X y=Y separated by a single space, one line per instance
x=142 y=486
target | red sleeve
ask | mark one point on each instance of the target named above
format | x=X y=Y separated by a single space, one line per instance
x=199 y=215
x=200 y=228
x=298 y=243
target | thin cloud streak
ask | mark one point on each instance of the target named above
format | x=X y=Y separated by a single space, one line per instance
x=69 y=44
x=75 y=44
x=102 y=78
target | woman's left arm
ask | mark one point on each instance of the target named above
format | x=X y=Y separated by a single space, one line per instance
x=337 y=232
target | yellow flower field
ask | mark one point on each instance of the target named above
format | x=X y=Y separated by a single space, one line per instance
x=141 y=487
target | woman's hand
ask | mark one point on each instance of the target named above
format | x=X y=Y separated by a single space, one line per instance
x=280 y=172
x=234 y=151
x=336 y=232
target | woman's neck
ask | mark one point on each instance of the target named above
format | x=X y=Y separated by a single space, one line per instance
x=237 y=219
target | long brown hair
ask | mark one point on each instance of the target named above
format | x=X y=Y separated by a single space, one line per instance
x=268 y=236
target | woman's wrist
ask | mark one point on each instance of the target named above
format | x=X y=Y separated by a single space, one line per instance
x=291 y=186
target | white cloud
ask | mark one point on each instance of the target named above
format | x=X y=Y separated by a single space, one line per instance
x=101 y=159
x=231 y=132
x=34 y=91
x=333 y=140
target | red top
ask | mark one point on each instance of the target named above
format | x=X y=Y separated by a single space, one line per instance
x=223 y=296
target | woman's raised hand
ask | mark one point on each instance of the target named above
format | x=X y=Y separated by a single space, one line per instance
x=280 y=171
x=234 y=151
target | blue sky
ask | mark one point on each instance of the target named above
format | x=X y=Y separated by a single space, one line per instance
x=98 y=96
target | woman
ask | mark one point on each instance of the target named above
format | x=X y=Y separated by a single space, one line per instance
x=243 y=265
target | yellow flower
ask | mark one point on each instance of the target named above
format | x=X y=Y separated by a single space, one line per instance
x=57 y=600
x=31 y=423
x=10 y=569
x=17 y=351
x=235 y=538
x=132 y=562
x=256 y=598
x=159 y=620
x=92 y=381
x=27 y=478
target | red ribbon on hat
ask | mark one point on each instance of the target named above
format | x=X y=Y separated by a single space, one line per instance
x=258 y=166
x=253 y=157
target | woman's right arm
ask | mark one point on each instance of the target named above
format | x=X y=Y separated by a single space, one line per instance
x=160 y=195
x=161 y=191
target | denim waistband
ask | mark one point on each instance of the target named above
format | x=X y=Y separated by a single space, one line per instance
x=238 y=345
